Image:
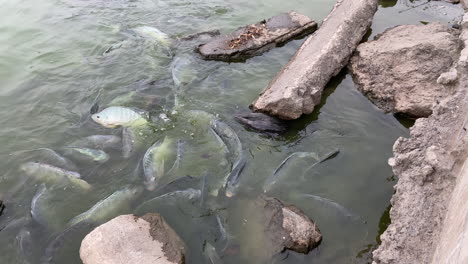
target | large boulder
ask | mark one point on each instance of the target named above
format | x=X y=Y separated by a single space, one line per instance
x=408 y=68
x=297 y=89
x=253 y=40
x=131 y=239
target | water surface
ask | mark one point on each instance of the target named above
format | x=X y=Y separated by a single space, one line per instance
x=54 y=64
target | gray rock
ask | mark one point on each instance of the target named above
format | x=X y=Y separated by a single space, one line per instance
x=398 y=71
x=287 y=226
x=131 y=239
x=297 y=89
x=261 y=122
x=254 y=39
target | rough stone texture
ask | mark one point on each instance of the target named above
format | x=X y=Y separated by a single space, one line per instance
x=426 y=165
x=449 y=77
x=297 y=89
x=131 y=239
x=288 y=227
x=431 y=181
x=453 y=244
x=399 y=70
x=274 y=32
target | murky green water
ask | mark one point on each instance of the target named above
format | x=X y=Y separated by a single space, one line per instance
x=53 y=66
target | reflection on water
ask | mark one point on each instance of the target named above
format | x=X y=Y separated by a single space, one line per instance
x=59 y=58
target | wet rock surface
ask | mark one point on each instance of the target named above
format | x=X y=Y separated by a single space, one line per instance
x=428 y=165
x=287 y=226
x=407 y=69
x=297 y=89
x=132 y=239
x=261 y=122
x=254 y=39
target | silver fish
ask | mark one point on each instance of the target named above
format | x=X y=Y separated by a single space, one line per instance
x=51 y=157
x=100 y=142
x=211 y=254
x=156 y=160
x=333 y=204
x=232 y=142
x=188 y=194
x=128 y=142
x=25 y=242
x=36 y=213
x=232 y=182
x=87 y=154
x=325 y=158
x=153 y=33
x=115 y=204
x=270 y=181
x=114 y=116
x=53 y=175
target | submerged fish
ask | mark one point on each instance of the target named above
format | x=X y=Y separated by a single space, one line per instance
x=232 y=182
x=25 y=242
x=184 y=71
x=51 y=157
x=333 y=204
x=328 y=156
x=270 y=181
x=182 y=195
x=66 y=243
x=53 y=175
x=116 y=203
x=128 y=142
x=100 y=142
x=211 y=254
x=36 y=212
x=158 y=159
x=153 y=33
x=87 y=154
x=232 y=143
x=114 y=116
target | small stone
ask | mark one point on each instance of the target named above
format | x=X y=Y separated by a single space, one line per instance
x=448 y=77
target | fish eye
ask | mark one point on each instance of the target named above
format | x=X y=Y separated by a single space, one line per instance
x=98 y=117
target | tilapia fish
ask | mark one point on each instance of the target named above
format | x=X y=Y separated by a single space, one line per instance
x=87 y=154
x=158 y=159
x=232 y=143
x=113 y=205
x=119 y=116
x=53 y=175
x=153 y=33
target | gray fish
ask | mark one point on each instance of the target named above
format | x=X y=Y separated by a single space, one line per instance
x=232 y=182
x=333 y=204
x=156 y=160
x=211 y=254
x=188 y=194
x=51 y=157
x=60 y=244
x=36 y=213
x=128 y=142
x=87 y=154
x=176 y=165
x=25 y=243
x=270 y=181
x=325 y=158
x=53 y=175
x=262 y=122
x=222 y=229
x=115 y=204
x=100 y=142
x=232 y=142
